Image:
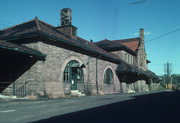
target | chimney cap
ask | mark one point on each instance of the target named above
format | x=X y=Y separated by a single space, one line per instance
x=66 y=18
x=141 y=33
x=66 y=9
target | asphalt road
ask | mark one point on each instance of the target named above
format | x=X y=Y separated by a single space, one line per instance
x=162 y=107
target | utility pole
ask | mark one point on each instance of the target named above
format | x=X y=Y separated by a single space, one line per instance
x=167 y=71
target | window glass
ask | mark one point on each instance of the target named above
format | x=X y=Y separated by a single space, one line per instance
x=72 y=71
x=108 y=76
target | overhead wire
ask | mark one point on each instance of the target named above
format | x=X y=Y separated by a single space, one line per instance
x=176 y=30
x=4 y=24
x=7 y=22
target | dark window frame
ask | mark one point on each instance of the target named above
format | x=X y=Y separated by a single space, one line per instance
x=67 y=74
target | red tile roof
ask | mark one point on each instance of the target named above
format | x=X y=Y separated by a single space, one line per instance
x=132 y=43
x=113 y=46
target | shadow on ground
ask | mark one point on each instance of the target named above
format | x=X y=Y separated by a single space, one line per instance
x=161 y=107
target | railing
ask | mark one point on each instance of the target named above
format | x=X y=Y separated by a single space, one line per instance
x=18 y=89
x=15 y=89
x=21 y=91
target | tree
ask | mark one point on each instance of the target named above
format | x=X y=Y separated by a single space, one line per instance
x=175 y=78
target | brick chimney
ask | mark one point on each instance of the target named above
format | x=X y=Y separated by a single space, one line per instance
x=141 y=35
x=66 y=23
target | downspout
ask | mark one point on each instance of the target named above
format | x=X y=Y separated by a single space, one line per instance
x=97 y=86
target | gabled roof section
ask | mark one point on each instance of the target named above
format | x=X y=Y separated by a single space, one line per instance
x=125 y=68
x=37 y=27
x=132 y=43
x=113 y=46
x=30 y=28
x=92 y=47
x=20 y=29
x=21 y=49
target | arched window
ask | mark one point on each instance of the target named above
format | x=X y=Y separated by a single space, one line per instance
x=73 y=72
x=108 y=76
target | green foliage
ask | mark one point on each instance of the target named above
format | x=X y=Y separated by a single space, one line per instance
x=175 y=78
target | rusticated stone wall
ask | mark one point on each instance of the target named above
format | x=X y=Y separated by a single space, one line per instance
x=45 y=78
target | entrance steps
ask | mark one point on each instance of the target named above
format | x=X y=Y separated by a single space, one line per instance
x=76 y=93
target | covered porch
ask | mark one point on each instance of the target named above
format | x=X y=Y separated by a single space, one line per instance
x=15 y=60
x=133 y=79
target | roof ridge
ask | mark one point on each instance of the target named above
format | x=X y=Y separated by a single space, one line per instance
x=108 y=41
x=49 y=25
x=126 y=40
x=82 y=39
x=37 y=23
x=107 y=53
x=102 y=41
x=53 y=28
x=112 y=43
x=41 y=26
x=17 y=25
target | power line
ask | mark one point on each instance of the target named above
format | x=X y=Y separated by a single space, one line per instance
x=176 y=30
x=5 y=24
x=137 y=2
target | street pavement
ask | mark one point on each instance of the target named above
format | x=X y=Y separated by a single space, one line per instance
x=149 y=107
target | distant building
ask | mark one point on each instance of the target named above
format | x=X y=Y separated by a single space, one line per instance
x=40 y=60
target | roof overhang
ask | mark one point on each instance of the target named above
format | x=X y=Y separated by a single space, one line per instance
x=129 y=73
x=22 y=50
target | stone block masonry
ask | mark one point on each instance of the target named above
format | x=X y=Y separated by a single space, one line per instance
x=48 y=74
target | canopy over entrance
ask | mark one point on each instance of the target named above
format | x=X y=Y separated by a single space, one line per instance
x=77 y=65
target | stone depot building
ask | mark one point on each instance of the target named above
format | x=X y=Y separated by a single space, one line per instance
x=40 y=60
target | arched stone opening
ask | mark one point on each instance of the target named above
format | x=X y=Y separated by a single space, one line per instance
x=73 y=75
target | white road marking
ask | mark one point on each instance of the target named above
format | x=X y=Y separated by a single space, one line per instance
x=6 y=111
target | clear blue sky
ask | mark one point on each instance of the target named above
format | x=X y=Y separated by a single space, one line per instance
x=111 y=19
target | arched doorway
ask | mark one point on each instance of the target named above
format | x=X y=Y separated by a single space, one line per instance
x=73 y=74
